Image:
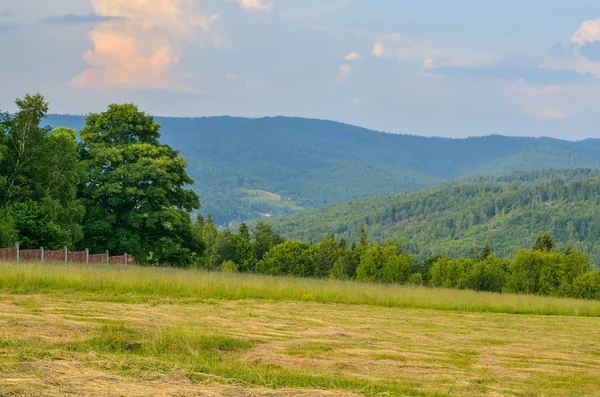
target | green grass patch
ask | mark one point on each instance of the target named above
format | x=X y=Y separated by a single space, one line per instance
x=139 y=284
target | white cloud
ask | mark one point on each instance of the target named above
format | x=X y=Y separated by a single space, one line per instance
x=523 y=89
x=345 y=71
x=256 y=5
x=378 y=50
x=232 y=76
x=355 y=101
x=549 y=112
x=142 y=49
x=353 y=56
x=428 y=63
x=589 y=32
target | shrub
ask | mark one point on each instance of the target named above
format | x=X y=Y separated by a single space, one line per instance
x=229 y=267
x=416 y=279
x=586 y=286
x=291 y=258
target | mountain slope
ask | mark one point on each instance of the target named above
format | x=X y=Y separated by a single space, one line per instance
x=456 y=218
x=301 y=164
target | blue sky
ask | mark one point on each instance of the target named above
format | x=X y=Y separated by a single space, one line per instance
x=429 y=67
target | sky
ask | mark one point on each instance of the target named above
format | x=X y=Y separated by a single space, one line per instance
x=429 y=67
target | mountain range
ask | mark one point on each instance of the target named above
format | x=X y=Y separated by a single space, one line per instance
x=247 y=169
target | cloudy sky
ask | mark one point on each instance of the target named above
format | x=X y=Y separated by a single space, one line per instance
x=428 y=67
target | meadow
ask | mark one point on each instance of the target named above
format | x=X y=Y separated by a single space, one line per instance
x=109 y=331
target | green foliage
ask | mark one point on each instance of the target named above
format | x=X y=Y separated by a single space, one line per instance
x=587 y=286
x=263 y=239
x=291 y=258
x=544 y=243
x=39 y=173
x=451 y=273
x=23 y=164
x=206 y=231
x=8 y=232
x=346 y=264
x=396 y=265
x=35 y=227
x=371 y=264
x=313 y=163
x=325 y=254
x=457 y=219
x=416 y=279
x=136 y=196
x=229 y=267
x=488 y=274
x=546 y=272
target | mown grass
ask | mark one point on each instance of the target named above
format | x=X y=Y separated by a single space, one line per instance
x=139 y=284
x=172 y=283
x=57 y=344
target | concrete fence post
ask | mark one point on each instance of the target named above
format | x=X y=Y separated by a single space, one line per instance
x=126 y=261
x=87 y=255
x=107 y=257
x=42 y=254
x=66 y=254
x=18 y=252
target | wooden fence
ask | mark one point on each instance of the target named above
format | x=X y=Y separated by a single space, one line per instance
x=15 y=254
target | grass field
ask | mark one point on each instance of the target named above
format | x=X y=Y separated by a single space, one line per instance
x=113 y=331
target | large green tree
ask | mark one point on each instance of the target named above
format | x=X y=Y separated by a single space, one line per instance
x=39 y=173
x=23 y=162
x=136 y=195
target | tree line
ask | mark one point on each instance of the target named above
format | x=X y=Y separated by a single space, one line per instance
x=541 y=270
x=456 y=218
x=112 y=187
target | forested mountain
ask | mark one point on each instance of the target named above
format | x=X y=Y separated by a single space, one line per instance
x=457 y=218
x=246 y=168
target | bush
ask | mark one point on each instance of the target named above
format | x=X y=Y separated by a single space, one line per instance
x=370 y=265
x=229 y=267
x=416 y=279
x=291 y=258
x=451 y=273
x=8 y=233
x=487 y=275
x=586 y=286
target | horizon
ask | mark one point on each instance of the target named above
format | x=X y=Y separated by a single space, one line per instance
x=350 y=125
x=427 y=69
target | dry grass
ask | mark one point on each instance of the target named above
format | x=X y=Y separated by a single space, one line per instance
x=66 y=344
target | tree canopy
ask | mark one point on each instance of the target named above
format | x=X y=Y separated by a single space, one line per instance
x=40 y=170
x=137 y=196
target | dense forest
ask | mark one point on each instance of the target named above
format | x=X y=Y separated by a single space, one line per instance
x=456 y=218
x=246 y=168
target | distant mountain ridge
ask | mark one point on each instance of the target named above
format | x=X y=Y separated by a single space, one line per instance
x=246 y=168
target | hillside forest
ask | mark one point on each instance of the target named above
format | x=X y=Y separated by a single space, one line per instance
x=456 y=218
x=246 y=168
x=115 y=186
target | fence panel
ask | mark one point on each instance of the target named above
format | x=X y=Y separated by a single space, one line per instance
x=30 y=255
x=77 y=257
x=115 y=260
x=54 y=256
x=8 y=254
x=98 y=258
